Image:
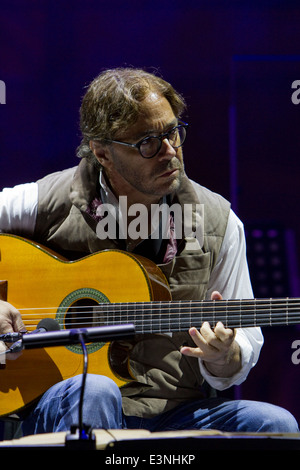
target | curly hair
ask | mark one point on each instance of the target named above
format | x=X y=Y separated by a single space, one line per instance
x=113 y=102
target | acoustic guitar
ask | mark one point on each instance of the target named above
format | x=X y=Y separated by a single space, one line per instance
x=107 y=288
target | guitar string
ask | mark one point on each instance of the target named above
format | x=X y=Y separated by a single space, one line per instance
x=168 y=306
x=142 y=316
x=182 y=305
x=176 y=326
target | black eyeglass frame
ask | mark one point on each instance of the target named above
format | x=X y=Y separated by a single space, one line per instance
x=160 y=137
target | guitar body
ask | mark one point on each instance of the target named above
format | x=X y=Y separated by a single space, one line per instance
x=48 y=286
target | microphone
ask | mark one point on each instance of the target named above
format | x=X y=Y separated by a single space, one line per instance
x=45 y=325
x=75 y=336
x=47 y=335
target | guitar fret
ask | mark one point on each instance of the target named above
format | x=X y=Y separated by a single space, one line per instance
x=142 y=326
x=159 y=319
x=241 y=315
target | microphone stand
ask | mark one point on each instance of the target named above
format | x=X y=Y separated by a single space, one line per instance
x=80 y=436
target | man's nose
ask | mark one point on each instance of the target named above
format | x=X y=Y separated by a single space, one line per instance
x=166 y=151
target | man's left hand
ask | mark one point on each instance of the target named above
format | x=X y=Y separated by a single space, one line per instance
x=216 y=347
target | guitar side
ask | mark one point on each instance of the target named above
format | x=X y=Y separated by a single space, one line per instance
x=41 y=284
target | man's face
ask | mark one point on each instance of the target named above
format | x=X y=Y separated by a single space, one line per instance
x=144 y=180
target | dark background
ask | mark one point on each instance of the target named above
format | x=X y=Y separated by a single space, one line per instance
x=233 y=61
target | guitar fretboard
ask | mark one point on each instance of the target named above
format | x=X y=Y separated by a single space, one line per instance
x=164 y=316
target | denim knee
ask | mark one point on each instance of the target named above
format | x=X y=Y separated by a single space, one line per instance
x=58 y=409
x=99 y=387
x=266 y=417
x=102 y=402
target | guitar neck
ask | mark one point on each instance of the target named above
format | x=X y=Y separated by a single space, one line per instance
x=165 y=316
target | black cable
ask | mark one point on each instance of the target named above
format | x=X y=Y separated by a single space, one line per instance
x=82 y=432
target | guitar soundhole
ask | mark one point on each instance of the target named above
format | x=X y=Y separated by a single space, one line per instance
x=77 y=310
x=81 y=314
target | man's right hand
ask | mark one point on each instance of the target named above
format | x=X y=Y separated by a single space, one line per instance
x=10 y=321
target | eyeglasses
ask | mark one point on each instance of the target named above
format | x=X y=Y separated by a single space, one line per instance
x=151 y=145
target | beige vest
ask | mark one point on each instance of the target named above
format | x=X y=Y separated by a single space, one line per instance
x=67 y=224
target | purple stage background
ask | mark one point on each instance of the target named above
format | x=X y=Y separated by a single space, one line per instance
x=235 y=63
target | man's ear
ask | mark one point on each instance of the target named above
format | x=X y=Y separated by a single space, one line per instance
x=101 y=153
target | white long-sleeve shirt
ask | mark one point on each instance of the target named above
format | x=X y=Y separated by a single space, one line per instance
x=230 y=276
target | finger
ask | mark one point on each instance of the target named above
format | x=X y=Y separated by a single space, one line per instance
x=11 y=319
x=224 y=334
x=220 y=338
x=191 y=352
x=199 y=343
x=206 y=338
x=208 y=334
x=17 y=322
x=201 y=337
x=216 y=295
x=203 y=340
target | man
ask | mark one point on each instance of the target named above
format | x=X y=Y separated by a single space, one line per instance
x=132 y=137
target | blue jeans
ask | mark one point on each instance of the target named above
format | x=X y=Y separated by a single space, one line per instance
x=58 y=411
